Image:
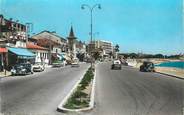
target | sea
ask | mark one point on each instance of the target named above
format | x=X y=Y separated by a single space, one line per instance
x=175 y=64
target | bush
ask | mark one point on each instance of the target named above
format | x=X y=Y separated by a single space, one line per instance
x=79 y=94
x=75 y=101
x=87 y=77
x=81 y=87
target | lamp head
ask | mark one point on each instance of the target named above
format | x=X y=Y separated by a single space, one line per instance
x=82 y=7
x=99 y=6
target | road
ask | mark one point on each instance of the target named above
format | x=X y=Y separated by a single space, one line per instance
x=40 y=93
x=130 y=92
x=118 y=92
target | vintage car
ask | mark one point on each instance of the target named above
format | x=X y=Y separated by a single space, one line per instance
x=75 y=63
x=116 y=65
x=57 y=64
x=22 y=69
x=38 y=67
x=147 y=67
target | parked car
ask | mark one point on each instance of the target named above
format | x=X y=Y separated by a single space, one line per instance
x=38 y=67
x=22 y=69
x=57 y=64
x=147 y=67
x=116 y=64
x=75 y=63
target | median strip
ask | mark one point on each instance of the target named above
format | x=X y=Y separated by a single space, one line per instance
x=81 y=97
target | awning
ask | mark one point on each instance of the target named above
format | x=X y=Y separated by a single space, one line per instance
x=22 y=53
x=3 y=50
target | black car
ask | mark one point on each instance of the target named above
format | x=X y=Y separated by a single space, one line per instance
x=147 y=67
x=22 y=69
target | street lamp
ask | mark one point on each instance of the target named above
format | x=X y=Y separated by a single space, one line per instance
x=91 y=14
x=91 y=8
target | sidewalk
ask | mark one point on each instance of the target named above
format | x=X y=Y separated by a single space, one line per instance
x=2 y=74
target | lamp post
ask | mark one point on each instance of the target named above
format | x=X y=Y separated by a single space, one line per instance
x=91 y=9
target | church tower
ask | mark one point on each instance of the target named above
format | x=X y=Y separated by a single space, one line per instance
x=72 y=44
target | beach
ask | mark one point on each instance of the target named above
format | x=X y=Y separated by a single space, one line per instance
x=165 y=70
x=171 y=71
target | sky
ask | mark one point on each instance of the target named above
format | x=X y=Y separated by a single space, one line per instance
x=144 y=26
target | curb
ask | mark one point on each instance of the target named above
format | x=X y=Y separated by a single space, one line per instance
x=60 y=107
x=5 y=77
x=170 y=75
x=178 y=77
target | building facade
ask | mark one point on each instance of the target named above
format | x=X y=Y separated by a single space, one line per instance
x=55 y=44
x=13 y=37
x=13 y=33
x=41 y=53
x=105 y=48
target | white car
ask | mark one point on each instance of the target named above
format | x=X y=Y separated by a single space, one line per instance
x=75 y=63
x=38 y=67
x=116 y=65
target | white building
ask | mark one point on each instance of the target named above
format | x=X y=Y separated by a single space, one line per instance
x=107 y=46
x=41 y=54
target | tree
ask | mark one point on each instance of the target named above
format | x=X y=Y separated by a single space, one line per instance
x=117 y=48
x=159 y=56
x=96 y=55
x=81 y=56
x=133 y=55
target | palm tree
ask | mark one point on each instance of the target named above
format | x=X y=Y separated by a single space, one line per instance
x=116 y=50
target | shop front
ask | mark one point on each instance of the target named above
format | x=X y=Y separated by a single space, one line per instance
x=19 y=55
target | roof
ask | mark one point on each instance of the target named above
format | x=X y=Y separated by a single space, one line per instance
x=34 y=46
x=71 y=34
x=3 y=50
x=49 y=35
x=47 y=43
x=21 y=52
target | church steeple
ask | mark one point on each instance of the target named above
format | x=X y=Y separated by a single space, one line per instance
x=72 y=42
x=71 y=34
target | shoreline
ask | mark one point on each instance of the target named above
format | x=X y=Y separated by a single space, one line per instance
x=179 y=72
x=171 y=71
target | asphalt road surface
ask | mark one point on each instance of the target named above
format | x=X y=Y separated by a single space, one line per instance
x=130 y=92
x=40 y=93
x=118 y=92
